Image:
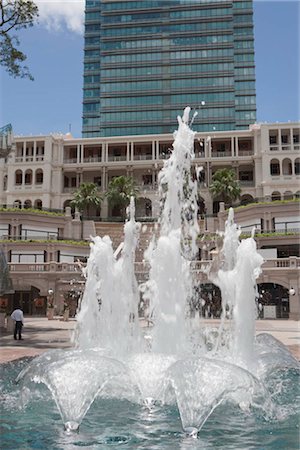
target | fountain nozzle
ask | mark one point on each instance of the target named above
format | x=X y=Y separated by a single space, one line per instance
x=71 y=427
x=191 y=432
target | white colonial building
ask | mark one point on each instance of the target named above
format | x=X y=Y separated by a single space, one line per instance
x=44 y=171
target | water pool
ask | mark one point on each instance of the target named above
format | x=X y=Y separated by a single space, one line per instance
x=124 y=425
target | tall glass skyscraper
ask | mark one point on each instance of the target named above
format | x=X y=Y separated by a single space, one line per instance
x=144 y=61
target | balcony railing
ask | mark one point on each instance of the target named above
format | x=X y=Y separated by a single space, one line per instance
x=291 y=263
x=147 y=187
x=69 y=190
x=117 y=158
x=70 y=160
x=92 y=159
x=43 y=267
x=282 y=263
x=218 y=154
x=245 y=153
x=247 y=182
x=142 y=157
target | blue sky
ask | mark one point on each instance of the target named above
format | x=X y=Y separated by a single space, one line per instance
x=54 y=48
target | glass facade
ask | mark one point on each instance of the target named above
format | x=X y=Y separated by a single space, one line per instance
x=145 y=61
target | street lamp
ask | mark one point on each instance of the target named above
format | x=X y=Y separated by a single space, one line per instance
x=292 y=291
x=50 y=305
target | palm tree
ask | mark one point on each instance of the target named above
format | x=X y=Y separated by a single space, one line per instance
x=87 y=195
x=225 y=187
x=119 y=191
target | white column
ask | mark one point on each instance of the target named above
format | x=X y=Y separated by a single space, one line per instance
x=236 y=142
x=34 y=151
x=128 y=152
x=131 y=150
x=233 y=148
x=153 y=150
x=103 y=179
x=106 y=152
x=279 y=139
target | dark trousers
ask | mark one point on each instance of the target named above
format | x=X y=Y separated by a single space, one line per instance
x=18 y=329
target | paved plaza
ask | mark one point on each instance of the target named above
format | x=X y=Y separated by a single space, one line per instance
x=41 y=334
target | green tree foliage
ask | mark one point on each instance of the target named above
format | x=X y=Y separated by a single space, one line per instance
x=15 y=15
x=85 y=197
x=225 y=187
x=120 y=189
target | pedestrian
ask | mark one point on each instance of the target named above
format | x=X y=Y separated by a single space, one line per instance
x=17 y=316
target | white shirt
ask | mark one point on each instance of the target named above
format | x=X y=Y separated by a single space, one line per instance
x=17 y=315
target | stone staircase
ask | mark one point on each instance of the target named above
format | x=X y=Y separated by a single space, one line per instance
x=112 y=229
x=116 y=232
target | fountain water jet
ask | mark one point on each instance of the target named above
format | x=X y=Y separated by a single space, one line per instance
x=111 y=358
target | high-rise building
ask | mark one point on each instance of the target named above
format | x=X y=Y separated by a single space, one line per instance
x=146 y=60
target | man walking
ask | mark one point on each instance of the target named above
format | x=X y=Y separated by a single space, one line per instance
x=18 y=317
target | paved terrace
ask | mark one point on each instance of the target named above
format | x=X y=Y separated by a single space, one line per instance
x=41 y=334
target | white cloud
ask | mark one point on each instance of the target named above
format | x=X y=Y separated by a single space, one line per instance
x=56 y=15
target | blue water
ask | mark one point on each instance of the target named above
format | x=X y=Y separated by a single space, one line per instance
x=116 y=424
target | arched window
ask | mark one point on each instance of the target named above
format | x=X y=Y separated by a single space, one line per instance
x=18 y=177
x=297 y=166
x=275 y=167
x=39 y=176
x=276 y=196
x=38 y=204
x=28 y=176
x=27 y=204
x=287 y=166
x=288 y=195
x=246 y=199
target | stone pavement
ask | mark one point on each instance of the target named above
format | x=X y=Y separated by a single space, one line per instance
x=41 y=334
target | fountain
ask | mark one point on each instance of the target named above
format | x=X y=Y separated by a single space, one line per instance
x=124 y=385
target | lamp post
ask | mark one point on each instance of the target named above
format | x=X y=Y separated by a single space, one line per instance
x=50 y=304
